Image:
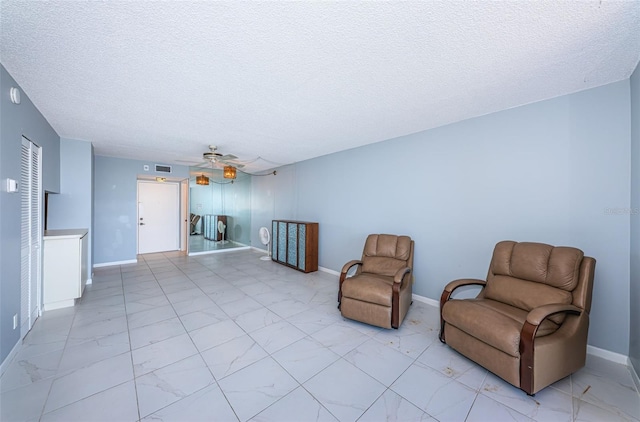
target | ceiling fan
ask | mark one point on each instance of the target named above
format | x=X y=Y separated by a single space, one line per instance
x=213 y=156
x=212 y=159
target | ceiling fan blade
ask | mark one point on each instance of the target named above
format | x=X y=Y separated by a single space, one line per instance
x=228 y=157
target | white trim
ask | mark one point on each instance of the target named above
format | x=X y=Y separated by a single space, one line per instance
x=426 y=300
x=12 y=354
x=327 y=270
x=89 y=280
x=234 y=249
x=110 y=264
x=264 y=251
x=608 y=355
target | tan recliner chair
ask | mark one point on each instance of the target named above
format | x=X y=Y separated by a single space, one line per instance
x=529 y=323
x=379 y=293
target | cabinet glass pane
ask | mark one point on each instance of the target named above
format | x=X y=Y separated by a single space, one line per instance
x=274 y=240
x=282 y=241
x=301 y=249
x=292 y=246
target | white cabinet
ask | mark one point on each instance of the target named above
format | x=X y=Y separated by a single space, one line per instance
x=65 y=267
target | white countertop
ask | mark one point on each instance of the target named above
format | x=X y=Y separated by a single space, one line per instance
x=65 y=233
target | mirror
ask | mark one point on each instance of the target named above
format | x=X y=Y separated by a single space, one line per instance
x=220 y=211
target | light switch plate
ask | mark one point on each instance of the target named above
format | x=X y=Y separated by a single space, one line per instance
x=12 y=186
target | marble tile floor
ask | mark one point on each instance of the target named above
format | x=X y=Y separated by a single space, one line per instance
x=228 y=337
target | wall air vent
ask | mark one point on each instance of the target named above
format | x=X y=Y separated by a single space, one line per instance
x=163 y=169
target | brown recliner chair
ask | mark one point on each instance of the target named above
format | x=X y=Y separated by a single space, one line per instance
x=379 y=293
x=529 y=323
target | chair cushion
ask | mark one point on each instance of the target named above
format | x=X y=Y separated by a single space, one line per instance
x=526 y=295
x=555 y=266
x=370 y=288
x=385 y=254
x=494 y=323
x=527 y=275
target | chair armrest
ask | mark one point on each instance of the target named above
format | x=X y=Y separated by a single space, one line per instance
x=400 y=274
x=453 y=285
x=446 y=295
x=346 y=267
x=528 y=335
x=539 y=314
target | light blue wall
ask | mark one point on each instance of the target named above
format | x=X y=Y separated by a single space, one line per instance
x=73 y=207
x=17 y=120
x=543 y=172
x=634 y=303
x=115 y=208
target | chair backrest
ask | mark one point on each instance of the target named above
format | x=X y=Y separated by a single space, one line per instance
x=385 y=254
x=528 y=275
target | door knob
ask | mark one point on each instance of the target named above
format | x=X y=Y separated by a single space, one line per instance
x=142 y=224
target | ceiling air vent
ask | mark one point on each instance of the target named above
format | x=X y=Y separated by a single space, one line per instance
x=163 y=169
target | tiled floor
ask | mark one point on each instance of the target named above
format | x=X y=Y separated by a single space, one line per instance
x=229 y=337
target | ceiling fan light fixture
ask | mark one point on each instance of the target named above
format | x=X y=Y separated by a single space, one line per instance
x=229 y=172
x=202 y=180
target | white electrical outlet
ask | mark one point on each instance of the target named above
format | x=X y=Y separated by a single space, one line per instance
x=15 y=321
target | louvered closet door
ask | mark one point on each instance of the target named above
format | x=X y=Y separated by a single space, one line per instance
x=30 y=236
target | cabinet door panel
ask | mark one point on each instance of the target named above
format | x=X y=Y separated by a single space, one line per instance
x=292 y=245
x=302 y=238
x=274 y=240
x=282 y=241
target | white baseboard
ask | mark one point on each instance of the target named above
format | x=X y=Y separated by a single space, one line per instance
x=608 y=355
x=89 y=281
x=110 y=264
x=426 y=300
x=329 y=271
x=12 y=354
x=264 y=251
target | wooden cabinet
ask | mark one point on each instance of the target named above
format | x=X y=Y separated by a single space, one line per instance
x=295 y=244
x=210 y=227
x=65 y=269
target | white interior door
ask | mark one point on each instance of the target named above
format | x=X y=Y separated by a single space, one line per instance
x=30 y=234
x=158 y=216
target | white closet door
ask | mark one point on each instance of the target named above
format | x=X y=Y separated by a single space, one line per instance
x=36 y=234
x=30 y=234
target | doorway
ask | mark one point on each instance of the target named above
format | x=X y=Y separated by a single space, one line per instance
x=158 y=216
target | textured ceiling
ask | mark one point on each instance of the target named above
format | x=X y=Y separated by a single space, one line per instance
x=289 y=81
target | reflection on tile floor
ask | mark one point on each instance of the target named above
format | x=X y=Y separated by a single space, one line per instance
x=230 y=337
x=198 y=244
